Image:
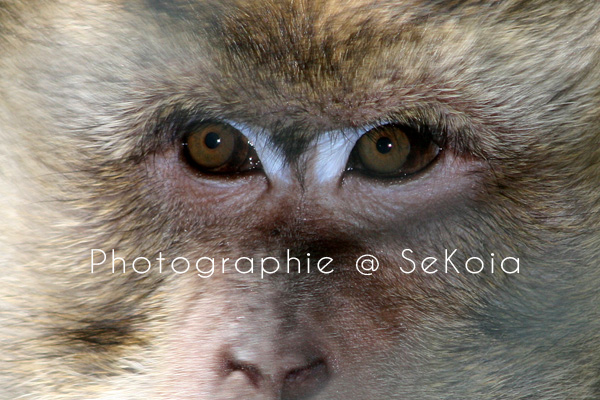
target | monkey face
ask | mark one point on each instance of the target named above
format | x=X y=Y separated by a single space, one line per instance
x=299 y=199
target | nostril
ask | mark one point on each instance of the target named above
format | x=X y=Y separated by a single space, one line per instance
x=251 y=371
x=293 y=375
x=299 y=375
x=305 y=381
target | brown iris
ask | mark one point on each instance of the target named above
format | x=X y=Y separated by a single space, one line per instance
x=215 y=147
x=392 y=151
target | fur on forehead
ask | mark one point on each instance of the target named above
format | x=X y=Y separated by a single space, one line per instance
x=321 y=65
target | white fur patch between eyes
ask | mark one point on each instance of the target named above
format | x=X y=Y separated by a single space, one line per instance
x=332 y=150
x=326 y=158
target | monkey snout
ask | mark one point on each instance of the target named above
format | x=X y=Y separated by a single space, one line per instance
x=269 y=373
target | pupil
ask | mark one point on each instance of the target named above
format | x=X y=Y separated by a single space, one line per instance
x=212 y=140
x=384 y=145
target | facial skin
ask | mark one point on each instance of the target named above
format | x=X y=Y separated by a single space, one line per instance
x=99 y=105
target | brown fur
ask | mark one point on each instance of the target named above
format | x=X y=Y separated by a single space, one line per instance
x=93 y=98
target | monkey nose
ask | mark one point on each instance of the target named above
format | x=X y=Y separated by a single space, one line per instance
x=293 y=375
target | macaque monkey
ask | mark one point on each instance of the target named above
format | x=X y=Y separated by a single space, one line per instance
x=299 y=199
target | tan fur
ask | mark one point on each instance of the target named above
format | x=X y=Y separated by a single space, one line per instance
x=93 y=100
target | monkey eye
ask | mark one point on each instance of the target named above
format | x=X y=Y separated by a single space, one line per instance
x=219 y=148
x=391 y=151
